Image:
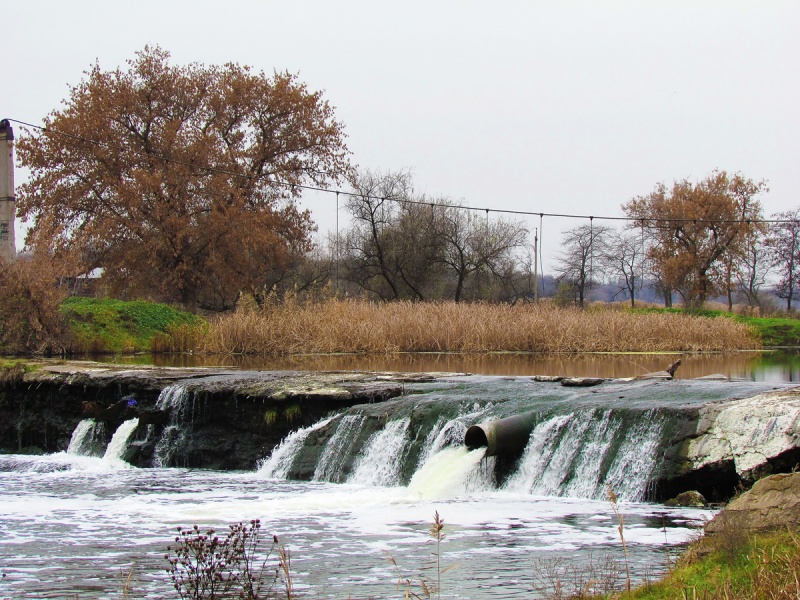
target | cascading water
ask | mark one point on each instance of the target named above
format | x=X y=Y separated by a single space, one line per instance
x=380 y=463
x=582 y=453
x=538 y=455
x=339 y=448
x=450 y=473
x=279 y=463
x=88 y=439
x=636 y=458
x=177 y=401
x=577 y=453
x=119 y=441
x=540 y=499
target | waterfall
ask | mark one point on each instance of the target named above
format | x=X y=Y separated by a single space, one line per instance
x=331 y=464
x=380 y=463
x=87 y=439
x=585 y=480
x=636 y=458
x=119 y=441
x=448 y=473
x=443 y=434
x=174 y=437
x=582 y=453
x=279 y=463
x=538 y=454
x=575 y=448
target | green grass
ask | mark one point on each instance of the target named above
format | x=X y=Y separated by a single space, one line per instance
x=772 y=331
x=764 y=566
x=119 y=326
x=12 y=370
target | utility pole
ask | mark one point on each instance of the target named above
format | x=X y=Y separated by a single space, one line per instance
x=8 y=208
x=536 y=265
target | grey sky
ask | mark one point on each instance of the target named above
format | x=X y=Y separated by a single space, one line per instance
x=566 y=107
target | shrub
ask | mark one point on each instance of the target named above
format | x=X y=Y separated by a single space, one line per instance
x=30 y=296
x=203 y=565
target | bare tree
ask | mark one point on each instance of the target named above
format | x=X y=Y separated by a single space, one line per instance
x=580 y=260
x=783 y=241
x=392 y=249
x=406 y=246
x=476 y=246
x=755 y=268
x=623 y=260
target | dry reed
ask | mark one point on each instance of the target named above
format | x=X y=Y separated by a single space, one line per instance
x=355 y=326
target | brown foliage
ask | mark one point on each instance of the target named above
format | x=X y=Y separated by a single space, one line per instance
x=359 y=326
x=179 y=180
x=30 y=297
x=697 y=229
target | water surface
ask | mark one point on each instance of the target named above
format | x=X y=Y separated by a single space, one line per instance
x=757 y=366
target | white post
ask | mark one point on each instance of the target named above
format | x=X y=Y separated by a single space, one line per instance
x=536 y=265
x=8 y=248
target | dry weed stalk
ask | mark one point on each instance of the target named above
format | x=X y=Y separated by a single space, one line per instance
x=613 y=500
x=426 y=589
x=558 y=578
x=357 y=326
x=126 y=587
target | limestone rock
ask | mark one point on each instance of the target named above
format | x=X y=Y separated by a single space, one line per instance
x=759 y=434
x=772 y=503
x=548 y=378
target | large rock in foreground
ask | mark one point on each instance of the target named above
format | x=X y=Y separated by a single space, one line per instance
x=772 y=503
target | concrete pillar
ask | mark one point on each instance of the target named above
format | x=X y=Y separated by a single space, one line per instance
x=8 y=208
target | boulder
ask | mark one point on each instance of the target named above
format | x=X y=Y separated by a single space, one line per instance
x=772 y=503
x=690 y=499
x=758 y=435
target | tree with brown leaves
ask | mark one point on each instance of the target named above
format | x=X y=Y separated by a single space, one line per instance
x=180 y=181
x=31 y=291
x=695 y=228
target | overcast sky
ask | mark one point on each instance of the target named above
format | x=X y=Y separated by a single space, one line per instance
x=560 y=107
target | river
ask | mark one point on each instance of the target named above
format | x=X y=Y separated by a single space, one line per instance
x=758 y=365
x=76 y=526
x=79 y=525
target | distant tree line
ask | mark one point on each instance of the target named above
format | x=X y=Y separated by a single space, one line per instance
x=699 y=241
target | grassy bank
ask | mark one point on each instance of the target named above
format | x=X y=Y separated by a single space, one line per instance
x=772 y=331
x=333 y=326
x=354 y=326
x=99 y=326
x=738 y=567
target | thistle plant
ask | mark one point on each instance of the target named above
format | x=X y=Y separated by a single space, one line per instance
x=205 y=565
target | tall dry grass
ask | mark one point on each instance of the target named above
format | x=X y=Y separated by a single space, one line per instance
x=356 y=326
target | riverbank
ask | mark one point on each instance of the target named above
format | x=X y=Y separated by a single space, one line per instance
x=750 y=550
x=359 y=327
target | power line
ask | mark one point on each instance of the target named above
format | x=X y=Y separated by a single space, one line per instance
x=401 y=200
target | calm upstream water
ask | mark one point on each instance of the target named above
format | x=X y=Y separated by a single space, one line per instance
x=758 y=366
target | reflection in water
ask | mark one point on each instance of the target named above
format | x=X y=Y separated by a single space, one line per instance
x=760 y=366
